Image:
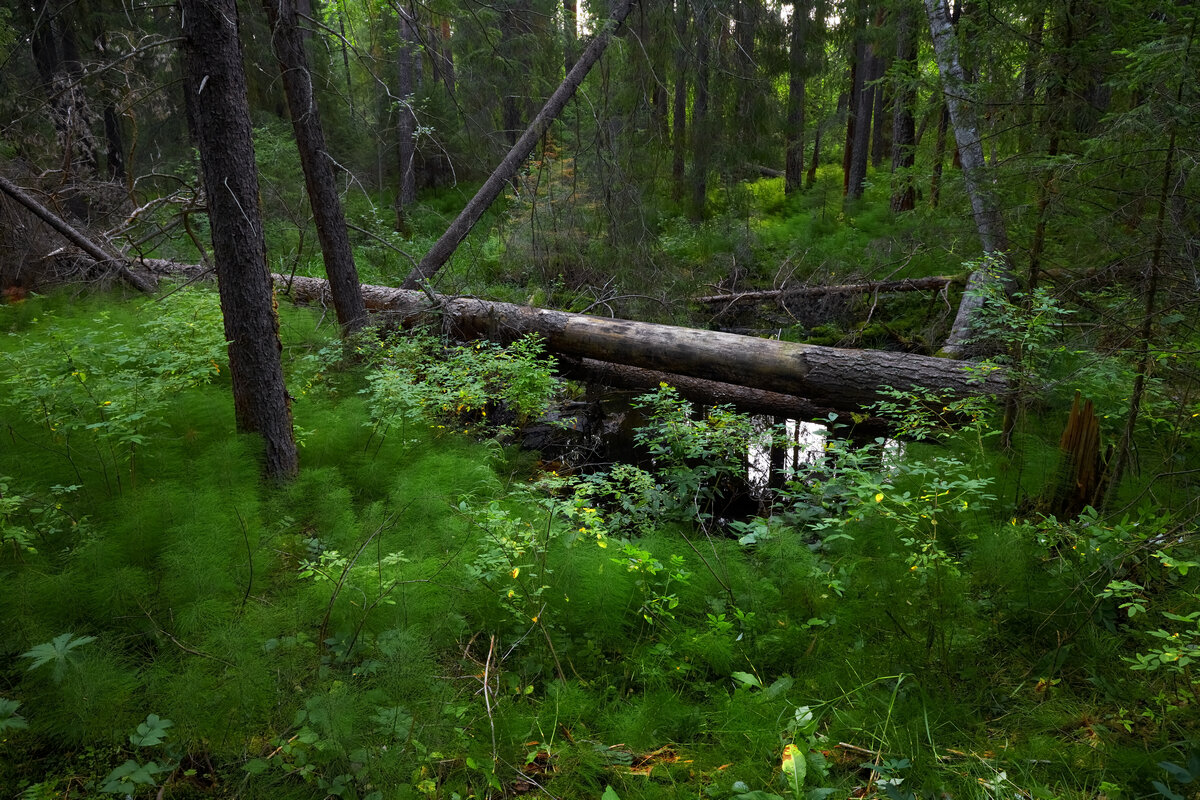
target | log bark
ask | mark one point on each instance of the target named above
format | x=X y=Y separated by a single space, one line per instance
x=826 y=376
x=698 y=390
x=441 y=251
x=116 y=263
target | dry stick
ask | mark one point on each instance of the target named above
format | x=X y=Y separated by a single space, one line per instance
x=903 y=285
x=73 y=236
x=441 y=251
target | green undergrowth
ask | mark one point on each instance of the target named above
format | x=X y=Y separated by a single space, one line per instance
x=419 y=614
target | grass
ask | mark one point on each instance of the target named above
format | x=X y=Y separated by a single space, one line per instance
x=378 y=629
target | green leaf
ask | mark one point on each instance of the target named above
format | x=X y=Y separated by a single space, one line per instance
x=126 y=778
x=150 y=732
x=256 y=766
x=746 y=679
x=1165 y=792
x=392 y=720
x=610 y=794
x=779 y=687
x=1179 y=773
x=10 y=720
x=57 y=651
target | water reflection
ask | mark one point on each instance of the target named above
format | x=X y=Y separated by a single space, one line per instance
x=797 y=446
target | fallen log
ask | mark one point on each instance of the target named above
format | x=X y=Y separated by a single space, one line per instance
x=936 y=282
x=765 y=171
x=826 y=376
x=744 y=398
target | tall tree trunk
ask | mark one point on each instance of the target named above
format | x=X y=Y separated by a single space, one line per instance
x=314 y=159
x=746 y=26
x=904 y=98
x=679 y=101
x=116 y=146
x=344 y=44
x=811 y=178
x=939 y=156
x=1146 y=356
x=851 y=99
x=442 y=57
x=858 y=108
x=570 y=33
x=1029 y=80
x=406 y=127
x=56 y=54
x=445 y=246
x=215 y=88
x=881 y=132
x=984 y=206
x=516 y=65
x=701 y=135
x=793 y=170
x=863 y=108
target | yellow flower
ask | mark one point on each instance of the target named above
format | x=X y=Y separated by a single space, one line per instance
x=512 y=593
x=879 y=497
x=515 y=572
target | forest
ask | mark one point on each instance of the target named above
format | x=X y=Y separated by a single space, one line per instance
x=731 y=399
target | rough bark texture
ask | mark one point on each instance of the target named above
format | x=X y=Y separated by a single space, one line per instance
x=939 y=156
x=797 y=80
x=679 y=100
x=698 y=390
x=215 y=87
x=318 y=173
x=701 y=139
x=904 y=134
x=514 y=64
x=984 y=206
x=441 y=251
x=866 y=74
x=570 y=33
x=825 y=376
x=406 y=127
